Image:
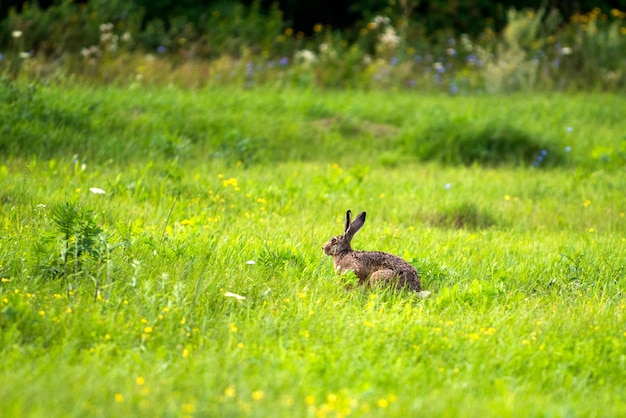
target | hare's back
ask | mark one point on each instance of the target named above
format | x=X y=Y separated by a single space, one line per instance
x=372 y=262
x=376 y=260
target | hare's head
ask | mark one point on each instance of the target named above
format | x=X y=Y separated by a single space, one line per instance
x=341 y=243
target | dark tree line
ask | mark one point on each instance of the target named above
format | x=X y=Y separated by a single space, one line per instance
x=470 y=16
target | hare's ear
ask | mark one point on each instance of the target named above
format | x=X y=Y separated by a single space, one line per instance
x=355 y=226
x=348 y=215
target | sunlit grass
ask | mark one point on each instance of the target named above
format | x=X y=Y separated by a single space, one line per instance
x=236 y=126
x=209 y=294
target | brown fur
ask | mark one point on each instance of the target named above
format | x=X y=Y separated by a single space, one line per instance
x=371 y=267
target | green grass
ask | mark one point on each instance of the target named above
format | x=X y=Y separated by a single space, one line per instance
x=525 y=264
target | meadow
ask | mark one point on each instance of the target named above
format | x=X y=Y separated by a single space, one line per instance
x=160 y=252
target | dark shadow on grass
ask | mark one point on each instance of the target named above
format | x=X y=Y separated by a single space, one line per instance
x=461 y=216
x=495 y=144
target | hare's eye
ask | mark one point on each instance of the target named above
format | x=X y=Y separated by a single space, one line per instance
x=334 y=240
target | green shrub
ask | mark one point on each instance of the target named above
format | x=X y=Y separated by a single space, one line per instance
x=68 y=27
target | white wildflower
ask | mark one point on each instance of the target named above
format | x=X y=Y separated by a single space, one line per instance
x=91 y=52
x=305 y=57
x=437 y=66
x=380 y=21
x=17 y=34
x=96 y=190
x=327 y=51
x=112 y=46
x=106 y=27
x=389 y=39
x=234 y=295
x=105 y=37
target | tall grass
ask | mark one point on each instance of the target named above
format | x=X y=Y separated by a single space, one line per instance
x=237 y=126
x=195 y=285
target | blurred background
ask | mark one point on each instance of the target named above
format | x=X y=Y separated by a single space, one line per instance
x=454 y=46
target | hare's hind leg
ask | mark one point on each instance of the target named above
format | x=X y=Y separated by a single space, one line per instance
x=381 y=277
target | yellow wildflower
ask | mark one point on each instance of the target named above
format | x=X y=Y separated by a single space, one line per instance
x=189 y=408
x=230 y=182
x=230 y=392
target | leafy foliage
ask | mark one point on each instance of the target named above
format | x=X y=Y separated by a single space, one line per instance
x=248 y=46
x=79 y=233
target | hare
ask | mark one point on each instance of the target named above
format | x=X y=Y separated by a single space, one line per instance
x=371 y=267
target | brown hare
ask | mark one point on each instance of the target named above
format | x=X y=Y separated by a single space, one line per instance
x=371 y=267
